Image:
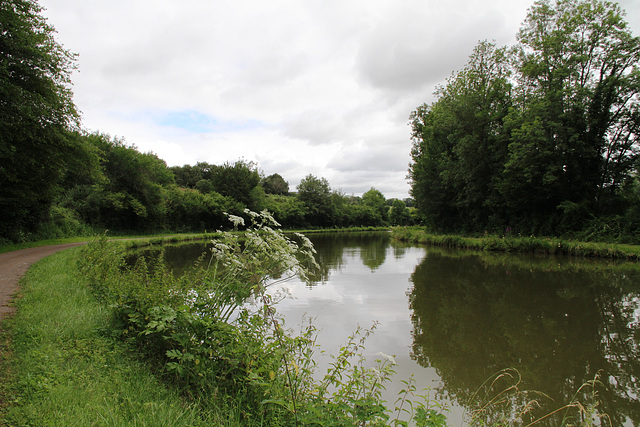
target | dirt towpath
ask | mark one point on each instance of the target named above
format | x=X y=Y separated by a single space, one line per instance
x=13 y=265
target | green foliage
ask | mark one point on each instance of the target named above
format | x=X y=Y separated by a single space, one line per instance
x=531 y=244
x=191 y=210
x=216 y=332
x=287 y=210
x=237 y=180
x=188 y=176
x=540 y=138
x=400 y=215
x=37 y=113
x=275 y=184
x=315 y=193
x=375 y=200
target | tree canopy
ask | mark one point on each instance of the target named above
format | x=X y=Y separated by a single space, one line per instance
x=541 y=137
x=275 y=184
x=36 y=111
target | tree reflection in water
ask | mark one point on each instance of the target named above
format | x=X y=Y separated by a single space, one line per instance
x=558 y=322
x=332 y=247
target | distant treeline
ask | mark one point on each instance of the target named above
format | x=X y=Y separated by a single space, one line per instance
x=540 y=138
x=106 y=184
x=57 y=181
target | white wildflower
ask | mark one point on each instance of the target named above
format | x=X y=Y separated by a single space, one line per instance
x=235 y=220
x=376 y=373
x=387 y=357
x=251 y=213
x=269 y=218
x=306 y=243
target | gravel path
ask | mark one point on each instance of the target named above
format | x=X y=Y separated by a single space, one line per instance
x=13 y=265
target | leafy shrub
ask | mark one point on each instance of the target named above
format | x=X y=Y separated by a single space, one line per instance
x=216 y=332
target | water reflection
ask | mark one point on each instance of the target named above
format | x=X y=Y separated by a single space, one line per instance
x=177 y=257
x=464 y=316
x=333 y=248
x=557 y=322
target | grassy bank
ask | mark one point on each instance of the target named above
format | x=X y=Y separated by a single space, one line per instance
x=66 y=366
x=60 y=370
x=140 y=240
x=543 y=245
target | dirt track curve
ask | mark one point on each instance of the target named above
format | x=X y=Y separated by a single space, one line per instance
x=13 y=265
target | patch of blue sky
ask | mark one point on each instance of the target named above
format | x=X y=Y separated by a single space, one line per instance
x=195 y=121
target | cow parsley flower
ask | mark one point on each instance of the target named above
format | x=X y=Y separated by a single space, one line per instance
x=387 y=357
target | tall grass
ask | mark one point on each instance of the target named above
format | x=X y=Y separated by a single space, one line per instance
x=77 y=359
x=517 y=244
x=63 y=371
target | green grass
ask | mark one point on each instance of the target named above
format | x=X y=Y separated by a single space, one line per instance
x=17 y=246
x=61 y=370
x=131 y=241
x=543 y=245
x=338 y=230
x=141 y=240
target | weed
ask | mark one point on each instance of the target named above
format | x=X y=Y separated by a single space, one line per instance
x=215 y=334
x=215 y=331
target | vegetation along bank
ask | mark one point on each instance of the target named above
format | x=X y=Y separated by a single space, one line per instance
x=96 y=342
x=539 y=245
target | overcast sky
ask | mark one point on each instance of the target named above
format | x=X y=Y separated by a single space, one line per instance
x=322 y=87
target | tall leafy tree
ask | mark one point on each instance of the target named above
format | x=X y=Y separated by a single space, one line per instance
x=315 y=193
x=576 y=131
x=187 y=176
x=400 y=213
x=36 y=112
x=237 y=180
x=376 y=201
x=542 y=141
x=275 y=184
x=460 y=142
x=131 y=193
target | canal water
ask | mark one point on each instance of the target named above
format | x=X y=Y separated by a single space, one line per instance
x=472 y=328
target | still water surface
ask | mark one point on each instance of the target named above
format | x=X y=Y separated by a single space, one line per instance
x=455 y=318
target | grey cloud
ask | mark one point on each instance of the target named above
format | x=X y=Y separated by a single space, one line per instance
x=333 y=82
x=410 y=51
x=391 y=184
x=315 y=126
x=392 y=157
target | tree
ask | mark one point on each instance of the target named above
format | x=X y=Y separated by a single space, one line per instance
x=237 y=180
x=289 y=211
x=131 y=193
x=576 y=131
x=191 y=210
x=36 y=111
x=315 y=193
x=187 y=176
x=275 y=184
x=460 y=143
x=375 y=200
x=542 y=136
x=400 y=214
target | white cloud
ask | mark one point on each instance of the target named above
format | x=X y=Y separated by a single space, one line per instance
x=316 y=86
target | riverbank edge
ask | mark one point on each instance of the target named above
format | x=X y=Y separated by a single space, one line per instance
x=57 y=367
x=518 y=244
x=135 y=241
x=64 y=370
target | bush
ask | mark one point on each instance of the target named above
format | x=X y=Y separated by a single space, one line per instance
x=61 y=222
x=201 y=331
